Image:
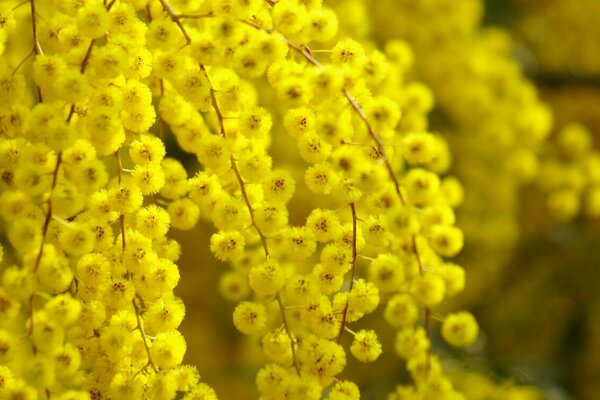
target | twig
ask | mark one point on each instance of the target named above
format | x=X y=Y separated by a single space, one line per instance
x=87 y=56
x=36 y=45
x=214 y=103
x=259 y=231
x=287 y=330
x=352 y=272
x=427 y=315
x=20 y=4
x=174 y=17
x=48 y=216
x=378 y=142
x=194 y=16
x=140 y=327
x=29 y=55
x=82 y=68
x=161 y=121
x=119 y=180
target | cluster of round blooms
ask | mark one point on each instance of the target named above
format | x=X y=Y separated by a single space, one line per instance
x=89 y=193
x=570 y=174
x=501 y=127
x=87 y=198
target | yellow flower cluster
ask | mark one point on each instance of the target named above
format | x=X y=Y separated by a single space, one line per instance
x=502 y=134
x=89 y=192
x=500 y=126
x=87 y=293
x=570 y=174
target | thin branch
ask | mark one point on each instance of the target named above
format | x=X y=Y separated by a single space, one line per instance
x=119 y=167
x=48 y=216
x=194 y=16
x=29 y=55
x=31 y=315
x=20 y=4
x=87 y=56
x=285 y=324
x=352 y=272
x=255 y=25
x=119 y=180
x=36 y=45
x=378 y=142
x=140 y=327
x=82 y=68
x=175 y=18
x=234 y=166
x=350 y=331
x=214 y=103
x=259 y=231
x=161 y=121
x=427 y=315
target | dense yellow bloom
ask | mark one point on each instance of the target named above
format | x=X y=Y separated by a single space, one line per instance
x=249 y=317
x=123 y=122
x=365 y=346
x=168 y=349
x=267 y=278
x=460 y=329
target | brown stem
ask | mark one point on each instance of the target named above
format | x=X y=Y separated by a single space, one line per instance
x=352 y=272
x=215 y=104
x=161 y=121
x=259 y=231
x=119 y=167
x=48 y=216
x=234 y=166
x=82 y=68
x=119 y=180
x=378 y=142
x=194 y=16
x=87 y=56
x=427 y=315
x=285 y=324
x=140 y=327
x=175 y=18
x=36 y=46
x=23 y=61
x=31 y=314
